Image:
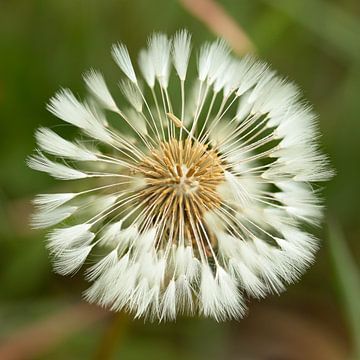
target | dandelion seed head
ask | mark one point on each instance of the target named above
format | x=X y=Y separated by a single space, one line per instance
x=191 y=201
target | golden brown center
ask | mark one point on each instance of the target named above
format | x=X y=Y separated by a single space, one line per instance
x=181 y=185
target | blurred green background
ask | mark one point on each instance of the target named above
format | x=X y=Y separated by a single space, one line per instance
x=45 y=44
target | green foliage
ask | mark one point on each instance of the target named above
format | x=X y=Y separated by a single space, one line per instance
x=348 y=280
x=48 y=44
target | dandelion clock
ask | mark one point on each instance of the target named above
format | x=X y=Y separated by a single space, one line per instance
x=189 y=193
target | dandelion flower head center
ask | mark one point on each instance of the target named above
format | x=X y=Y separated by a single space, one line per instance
x=181 y=182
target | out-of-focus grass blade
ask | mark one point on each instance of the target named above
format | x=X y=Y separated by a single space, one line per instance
x=348 y=278
x=337 y=27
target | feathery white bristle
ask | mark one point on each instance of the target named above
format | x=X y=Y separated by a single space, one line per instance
x=44 y=219
x=141 y=298
x=299 y=162
x=124 y=288
x=128 y=234
x=145 y=242
x=248 y=280
x=185 y=262
x=299 y=201
x=97 y=86
x=219 y=295
x=168 y=304
x=116 y=236
x=71 y=260
x=147 y=68
x=67 y=107
x=273 y=96
x=121 y=56
x=159 y=48
x=65 y=238
x=299 y=236
x=132 y=94
x=250 y=72
x=270 y=266
x=184 y=295
x=98 y=110
x=111 y=232
x=218 y=60
x=219 y=133
x=136 y=120
x=105 y=288
x=191 y=103
x=102 y=266
x=244 y=107
x=100 y=204
x=59 y=171
x=181 y=52
x=213 y=219
x=295 y=127
x=263 y=86
x=237 y=190
x=54 y=144
x=49 y=202
x=229 y=294
x=209 y=294
x=298 y=256
x=204 y=61
x=151 y=268
x=228 y=245
x=228 y=79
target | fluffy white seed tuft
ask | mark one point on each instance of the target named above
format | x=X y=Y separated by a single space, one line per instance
x=71 y=260
x=159 y=47
x=181 y=52
x=59 y=171
x=54 y=144
x=67 y=107
x=97 y=86
x=98 y=269
x=121 y=56
x=44 y=219
x=168 y=304
x=49 y=202
x=132 y=94
x=147 y=68
x=66 y=238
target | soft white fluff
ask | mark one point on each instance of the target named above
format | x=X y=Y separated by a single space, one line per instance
x=147 y=68
x=181 y=52
x=168 y=304
x=70 y=260
x=159 y=48
x=67 y=107
x=121 y=56
x=44 y=219
x=136 y=120
x=54 y=144
x=99 y=268
x=65 y=238
x=245 y=238
x=48 y=202
x=218 y=60
x=97 y=86
x=132 y=94
x=238 y=191
x=59 y=171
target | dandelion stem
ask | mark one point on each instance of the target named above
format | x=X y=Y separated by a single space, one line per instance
x=112 y=338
